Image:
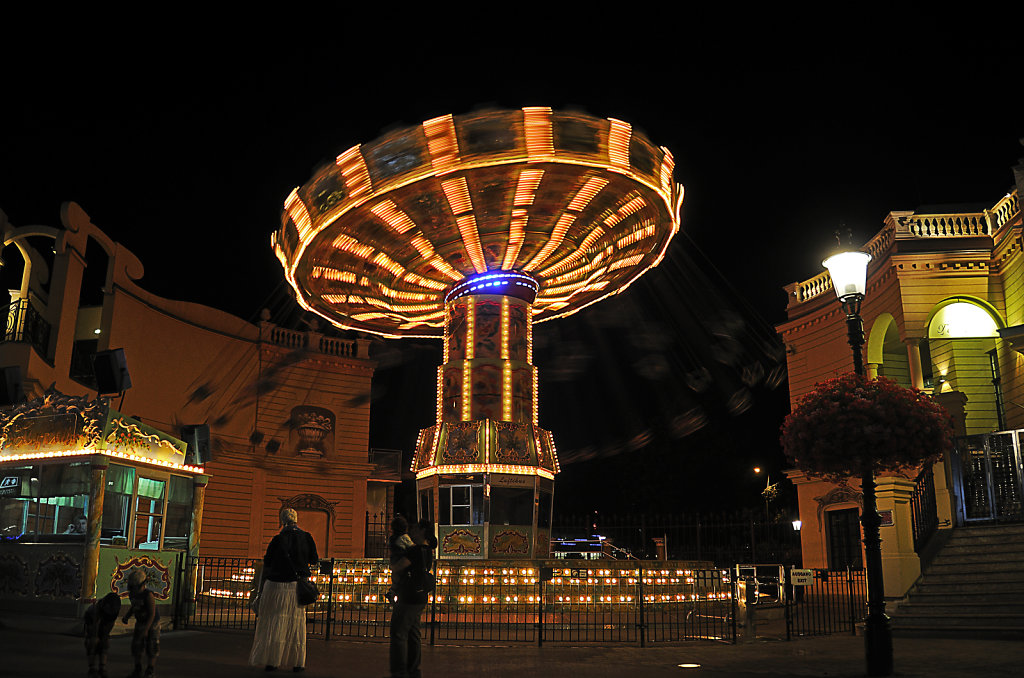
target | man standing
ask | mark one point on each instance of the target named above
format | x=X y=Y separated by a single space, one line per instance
x=410 y=568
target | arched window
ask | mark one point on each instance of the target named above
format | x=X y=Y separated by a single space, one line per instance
x=962 y=319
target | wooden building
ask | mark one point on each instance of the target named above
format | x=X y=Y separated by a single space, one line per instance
x=287 y=412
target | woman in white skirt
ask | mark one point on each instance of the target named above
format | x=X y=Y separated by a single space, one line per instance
x=281 y=623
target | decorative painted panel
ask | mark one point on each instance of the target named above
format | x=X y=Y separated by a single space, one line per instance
x=518 y=333
x=462 y=444
x=451 y=393
x=510 y=542
x=487 y=330
x=486 y=391
x=461 y=542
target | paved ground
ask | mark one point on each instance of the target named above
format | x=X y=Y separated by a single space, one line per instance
x=26 y=653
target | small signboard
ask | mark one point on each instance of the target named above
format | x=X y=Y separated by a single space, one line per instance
x=801 y=577
x=511 y=480
x=10 y=485
x=886 y=517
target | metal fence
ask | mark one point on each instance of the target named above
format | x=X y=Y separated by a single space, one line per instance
x=639 y=602
x=634 y=602
x=25 y=324
x=835 y=602
x=924 y=513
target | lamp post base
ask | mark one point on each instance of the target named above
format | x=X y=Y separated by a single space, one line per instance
x=878 y=645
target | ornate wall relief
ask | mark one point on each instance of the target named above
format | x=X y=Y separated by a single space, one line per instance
x=312 y=431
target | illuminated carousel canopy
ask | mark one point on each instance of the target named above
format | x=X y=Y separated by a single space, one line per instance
x=572 y=208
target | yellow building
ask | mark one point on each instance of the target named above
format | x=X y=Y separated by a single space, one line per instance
x=943 y=312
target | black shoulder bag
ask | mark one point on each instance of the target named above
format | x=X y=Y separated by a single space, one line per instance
x=306 y=592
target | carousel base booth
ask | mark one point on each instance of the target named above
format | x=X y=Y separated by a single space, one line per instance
x=87 y=495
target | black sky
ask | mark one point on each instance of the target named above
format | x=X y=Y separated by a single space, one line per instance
x=185 y=150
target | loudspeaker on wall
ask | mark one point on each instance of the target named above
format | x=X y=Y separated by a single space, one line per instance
x=111 y=369
x=197 y=436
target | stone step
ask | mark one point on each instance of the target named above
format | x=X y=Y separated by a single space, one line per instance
x=914 y=618
x=967 y=550
x=978 y=567
x=987 y=535
x=960 y=585
x=977 y=556
x=914 y=608
x=983 y=597
x=983 y=632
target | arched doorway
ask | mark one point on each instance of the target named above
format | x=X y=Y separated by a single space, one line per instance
x=316 y=516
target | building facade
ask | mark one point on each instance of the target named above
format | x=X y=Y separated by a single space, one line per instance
x=943 y=312
x=287 y=412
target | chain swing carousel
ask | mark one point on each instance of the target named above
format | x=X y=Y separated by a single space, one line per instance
x=472 y=228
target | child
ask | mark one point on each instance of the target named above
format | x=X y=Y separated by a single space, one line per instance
x=398 y=542
x=99 y=620
x=147 y=629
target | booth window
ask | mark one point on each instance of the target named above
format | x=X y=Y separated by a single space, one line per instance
x=511 y=506
x=544 y=510
x=117 y=503
x=426 y=505
x=179 y=513
x=149 y=513
x=45 y=503
x=461 y=505
x=146 y=512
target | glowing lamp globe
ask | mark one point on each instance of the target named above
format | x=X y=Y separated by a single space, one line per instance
x=849 y=272
x=472 y=228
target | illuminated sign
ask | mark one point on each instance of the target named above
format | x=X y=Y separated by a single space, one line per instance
x=43 y=432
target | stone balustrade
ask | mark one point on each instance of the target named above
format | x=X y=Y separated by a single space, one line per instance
x=910 y=226
x=314 y=341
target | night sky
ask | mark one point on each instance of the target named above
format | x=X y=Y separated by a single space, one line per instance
x=185 y=156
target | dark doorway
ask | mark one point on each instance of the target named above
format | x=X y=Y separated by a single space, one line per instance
x=842 y=529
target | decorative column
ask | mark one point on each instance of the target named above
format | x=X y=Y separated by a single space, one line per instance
x=91 y=562
x=914 y=362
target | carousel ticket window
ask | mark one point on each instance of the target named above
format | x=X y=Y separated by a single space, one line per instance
x=45 y=503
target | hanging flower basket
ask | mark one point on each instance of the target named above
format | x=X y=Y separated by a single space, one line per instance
x=851 y=421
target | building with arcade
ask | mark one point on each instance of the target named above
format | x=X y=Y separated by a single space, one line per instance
x=943 y=312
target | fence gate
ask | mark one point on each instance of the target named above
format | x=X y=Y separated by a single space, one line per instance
x=834 y=602
x=987 y=477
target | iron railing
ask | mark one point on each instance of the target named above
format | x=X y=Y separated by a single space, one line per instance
x=835 y=602
x=637 y=602
x=923 y=510
x=633 y=602
x=26 y=325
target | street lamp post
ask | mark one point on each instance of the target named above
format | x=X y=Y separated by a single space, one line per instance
x=848 y=271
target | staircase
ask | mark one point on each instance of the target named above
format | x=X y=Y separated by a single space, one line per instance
x=974 y=588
